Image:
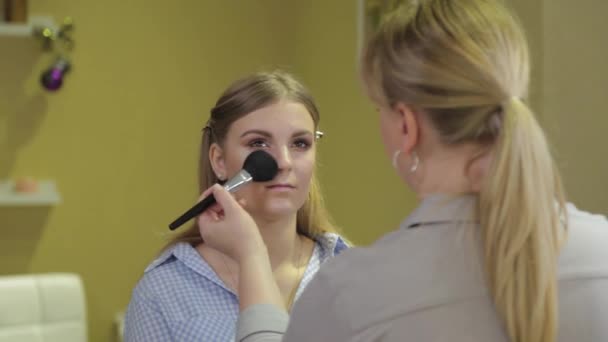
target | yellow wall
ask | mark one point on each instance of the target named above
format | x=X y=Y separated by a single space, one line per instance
x=121 y=139
x=575 y=91
x=569 y=88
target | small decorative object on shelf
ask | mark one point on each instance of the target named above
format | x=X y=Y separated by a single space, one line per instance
x=14 y=22
x=26 y=185
x=52 y=78
x=56 y=37
x=28 y=192
x=61 y=43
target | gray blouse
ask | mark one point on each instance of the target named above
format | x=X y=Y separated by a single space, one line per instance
x=425 y=282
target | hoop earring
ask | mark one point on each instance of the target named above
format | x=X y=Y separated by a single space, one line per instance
x=396 y=155
x=414 y=166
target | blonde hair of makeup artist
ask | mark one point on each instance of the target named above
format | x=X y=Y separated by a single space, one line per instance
x=242 y=97
x=464 y=65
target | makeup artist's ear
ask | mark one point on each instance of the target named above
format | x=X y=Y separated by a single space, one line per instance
x=410 y=127
x=216 y=157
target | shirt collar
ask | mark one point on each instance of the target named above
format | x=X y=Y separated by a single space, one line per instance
x=438 y=208
x=188 y=256
x=330 y=243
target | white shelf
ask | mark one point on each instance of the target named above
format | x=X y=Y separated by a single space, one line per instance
x=46 y=195
x=26 y=29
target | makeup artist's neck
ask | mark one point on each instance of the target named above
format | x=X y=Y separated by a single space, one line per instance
x=280 y=238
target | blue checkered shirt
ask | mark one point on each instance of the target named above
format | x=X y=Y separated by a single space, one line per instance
x=181 y=298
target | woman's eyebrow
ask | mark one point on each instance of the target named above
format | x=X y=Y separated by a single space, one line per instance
x=301 y=133
x=257 y=131
x=269 y=135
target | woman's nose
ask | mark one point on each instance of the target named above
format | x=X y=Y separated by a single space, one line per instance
x=283 y=157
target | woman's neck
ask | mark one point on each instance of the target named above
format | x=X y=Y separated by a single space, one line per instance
x=455 y=170
x=281 y=239
x=285 y=250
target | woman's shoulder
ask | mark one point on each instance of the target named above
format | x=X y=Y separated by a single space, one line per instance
x=584 y=218
x=584 y=253
x=378 y=260
x=177 y=267
x=181 y=285
x=582 y=225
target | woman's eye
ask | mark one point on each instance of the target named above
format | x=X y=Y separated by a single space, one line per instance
x=258 y=143
x=302 y=144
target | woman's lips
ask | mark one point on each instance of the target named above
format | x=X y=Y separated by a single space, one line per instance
x=283 y=187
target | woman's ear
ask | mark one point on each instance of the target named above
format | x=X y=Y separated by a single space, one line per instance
x=410 y=127
x=216 y=158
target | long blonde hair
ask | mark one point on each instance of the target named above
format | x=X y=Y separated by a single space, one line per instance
x=238 y=100
x=465 y=65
